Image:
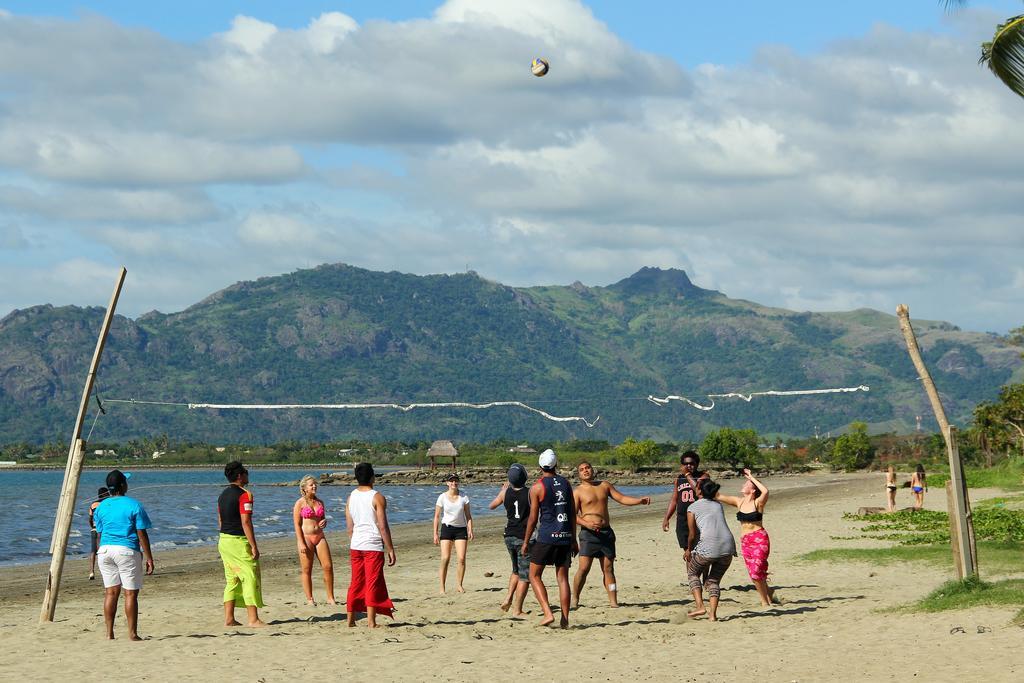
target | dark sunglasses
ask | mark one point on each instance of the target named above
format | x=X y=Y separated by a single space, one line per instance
x=689 y=462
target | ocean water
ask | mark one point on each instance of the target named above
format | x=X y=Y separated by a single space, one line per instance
x=182 y=505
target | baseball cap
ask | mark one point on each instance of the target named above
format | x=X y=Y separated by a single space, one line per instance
x=517 y=475
x=548 y=460
x=116 y=479
x=452 y=477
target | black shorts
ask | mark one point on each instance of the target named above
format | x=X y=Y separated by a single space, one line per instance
x=546 y=554
x=682 y=532
x=95 y=541
x=597 y=543
x=453 y=533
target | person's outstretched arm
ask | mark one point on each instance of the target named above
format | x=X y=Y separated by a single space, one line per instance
x=500 y=498
x=728 y=500
x=380 y=507
x=623 y=499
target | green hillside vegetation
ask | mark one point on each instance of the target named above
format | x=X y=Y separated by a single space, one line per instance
x=342 y=334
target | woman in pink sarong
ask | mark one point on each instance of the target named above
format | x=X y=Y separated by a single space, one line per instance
x=367 y=519
x=754 y=540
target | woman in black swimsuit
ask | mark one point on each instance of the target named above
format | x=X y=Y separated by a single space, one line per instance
x=754 y=540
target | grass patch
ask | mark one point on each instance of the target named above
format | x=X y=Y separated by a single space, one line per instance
x=973 y=592
x=1007 y=475
x=923 y=527
x=994 y=557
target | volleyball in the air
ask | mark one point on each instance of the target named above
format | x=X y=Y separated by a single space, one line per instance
x=540 y=66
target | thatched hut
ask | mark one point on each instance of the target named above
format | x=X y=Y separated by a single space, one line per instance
x=442 y=449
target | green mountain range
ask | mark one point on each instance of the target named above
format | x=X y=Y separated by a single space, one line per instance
x=339 y=334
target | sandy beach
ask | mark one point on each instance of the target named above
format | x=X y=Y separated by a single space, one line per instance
x=834 y=620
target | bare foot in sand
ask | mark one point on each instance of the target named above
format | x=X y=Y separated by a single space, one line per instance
x=563 y=623
x=134 y=636
x=520 y=615
x=506 y=605
x=574 y=605
x=547 y=621
x=232 y=623
x=460 y=589
x=332 y=601
x=697 y=613
x=310 y=602
x=256 y=624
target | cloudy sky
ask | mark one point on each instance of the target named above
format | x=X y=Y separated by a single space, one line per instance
x=795 y=154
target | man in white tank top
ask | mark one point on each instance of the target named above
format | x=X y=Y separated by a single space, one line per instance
x=366 y=518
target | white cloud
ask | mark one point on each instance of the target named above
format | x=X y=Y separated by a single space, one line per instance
x=329 y=29
x=882 y=168
x=134 y=158
x=274 y=230
x=100 y=204
x=249 y=34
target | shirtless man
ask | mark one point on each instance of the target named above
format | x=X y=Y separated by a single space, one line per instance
x=596 y=536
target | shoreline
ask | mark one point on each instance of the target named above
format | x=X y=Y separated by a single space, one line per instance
x=825 y=612
x=272 y=548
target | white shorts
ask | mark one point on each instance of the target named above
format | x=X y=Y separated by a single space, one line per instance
x=120 y=566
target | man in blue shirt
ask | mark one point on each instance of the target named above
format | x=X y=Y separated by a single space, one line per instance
x=121 y=523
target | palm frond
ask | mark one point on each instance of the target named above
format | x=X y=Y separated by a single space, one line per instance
x=953 y=4
x=1005 y=54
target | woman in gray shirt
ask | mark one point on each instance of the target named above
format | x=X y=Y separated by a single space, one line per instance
x=715 y=548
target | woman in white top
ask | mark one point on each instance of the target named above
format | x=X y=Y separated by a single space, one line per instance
x=453 y=525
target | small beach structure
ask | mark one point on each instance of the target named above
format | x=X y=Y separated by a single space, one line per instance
x=522 y=448
x=442 y=449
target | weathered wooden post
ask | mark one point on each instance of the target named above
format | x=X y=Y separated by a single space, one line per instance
x=76 y=454
x=967 y=563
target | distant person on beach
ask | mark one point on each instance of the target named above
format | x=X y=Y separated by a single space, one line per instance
x=685 y=491
x=712 y=553
x=754 y=541
x=918 y=484
x=516 y=498
x=366 y=518
x=100 y=495
x=124 y=551
x=890 y=488
x=310 y=518
x=553 y=515
x=237 y=547
x=453 y=526
x=596 y=538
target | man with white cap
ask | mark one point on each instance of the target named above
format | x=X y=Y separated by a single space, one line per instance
x=553 y=514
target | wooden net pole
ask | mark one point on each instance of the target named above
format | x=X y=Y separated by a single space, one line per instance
x=76 y=454
x=967 y=565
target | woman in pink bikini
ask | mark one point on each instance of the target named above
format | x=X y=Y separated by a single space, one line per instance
x=310 y=519
x=754 y=540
